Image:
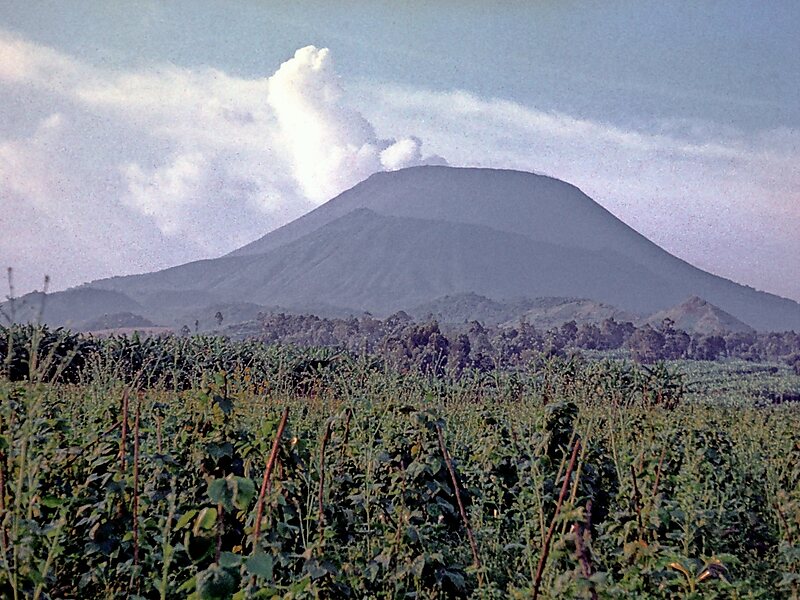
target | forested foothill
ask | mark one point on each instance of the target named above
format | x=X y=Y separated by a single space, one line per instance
x=471 y=345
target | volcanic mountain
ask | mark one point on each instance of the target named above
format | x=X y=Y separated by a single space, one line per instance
x=699 y=316
x=403 y=238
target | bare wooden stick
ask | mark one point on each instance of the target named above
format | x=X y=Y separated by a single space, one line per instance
x=574 y=493
x=2 y=483
x=346 y=437
x=581 y=552
x=637 y=501
x=321 y=495
x=265 y=483
x=3 y=534
x=135 y=508
x=658 y=472
x=3 y=464
x=548 y=539
x=124 y=436
x=652 y=499
x=449 y=463
x=136 y=485
x=580 y=549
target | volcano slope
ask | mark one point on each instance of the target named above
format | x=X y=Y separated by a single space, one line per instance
x=403 y=238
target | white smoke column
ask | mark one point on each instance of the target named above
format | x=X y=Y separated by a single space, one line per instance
x=332 y=146
x=329 y=143
x=403 y=153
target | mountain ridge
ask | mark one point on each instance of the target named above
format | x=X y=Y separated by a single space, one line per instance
x=403 y=238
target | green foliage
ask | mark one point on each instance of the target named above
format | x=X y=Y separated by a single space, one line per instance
x=677 y=492
x=34 y=353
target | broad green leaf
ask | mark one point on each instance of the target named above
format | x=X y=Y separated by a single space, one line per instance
x=244 y=492
x=229 y=560
x=185 y=519
x=220 y=492
x=260 y=564
x=206 y=519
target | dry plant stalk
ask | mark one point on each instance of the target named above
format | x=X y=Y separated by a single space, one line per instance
x=265 y=483
x=549 y=538
x=346 y=437
x=449 y=463
x=654 y=491
x=3 y=534
x=658 y=472
x=2 y=482
x=321 y=509
x=637 y=501
x=581 y=552
x=135 y=507
x=574 y=493
x=136 y=484
x=124 y=436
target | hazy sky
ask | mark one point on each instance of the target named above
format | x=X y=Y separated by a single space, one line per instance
x=137 y=135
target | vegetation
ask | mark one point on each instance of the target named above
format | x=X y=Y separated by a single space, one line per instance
x=475 y=346
x=175 y=467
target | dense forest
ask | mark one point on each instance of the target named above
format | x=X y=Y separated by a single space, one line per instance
x=406 y=342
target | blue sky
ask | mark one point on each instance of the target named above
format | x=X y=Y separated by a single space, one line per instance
x=680 y=117
x=731 y=62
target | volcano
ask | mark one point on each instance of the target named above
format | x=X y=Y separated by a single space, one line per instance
x=403 y=238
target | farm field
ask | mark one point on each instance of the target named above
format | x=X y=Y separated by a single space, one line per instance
x=203 y=468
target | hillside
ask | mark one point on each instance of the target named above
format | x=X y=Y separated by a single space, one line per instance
x=553 y=312
x=71 y=308
x=402 y=239
x=123 y=320
x=379 y=263
x=463 y=308
x=698 y=316
x=542 y=313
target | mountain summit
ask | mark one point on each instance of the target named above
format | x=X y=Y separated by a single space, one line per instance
x=403 y=238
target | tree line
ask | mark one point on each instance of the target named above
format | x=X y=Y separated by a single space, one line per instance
x=435 y=346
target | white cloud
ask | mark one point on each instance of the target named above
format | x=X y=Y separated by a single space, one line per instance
x=25 y=63
x=55 y=217
x=193 y=162
x=167 y=193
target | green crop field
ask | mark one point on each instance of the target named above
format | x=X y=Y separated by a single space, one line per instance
x=203 y=468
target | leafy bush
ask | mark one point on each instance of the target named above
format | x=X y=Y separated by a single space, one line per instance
x=570 y=478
